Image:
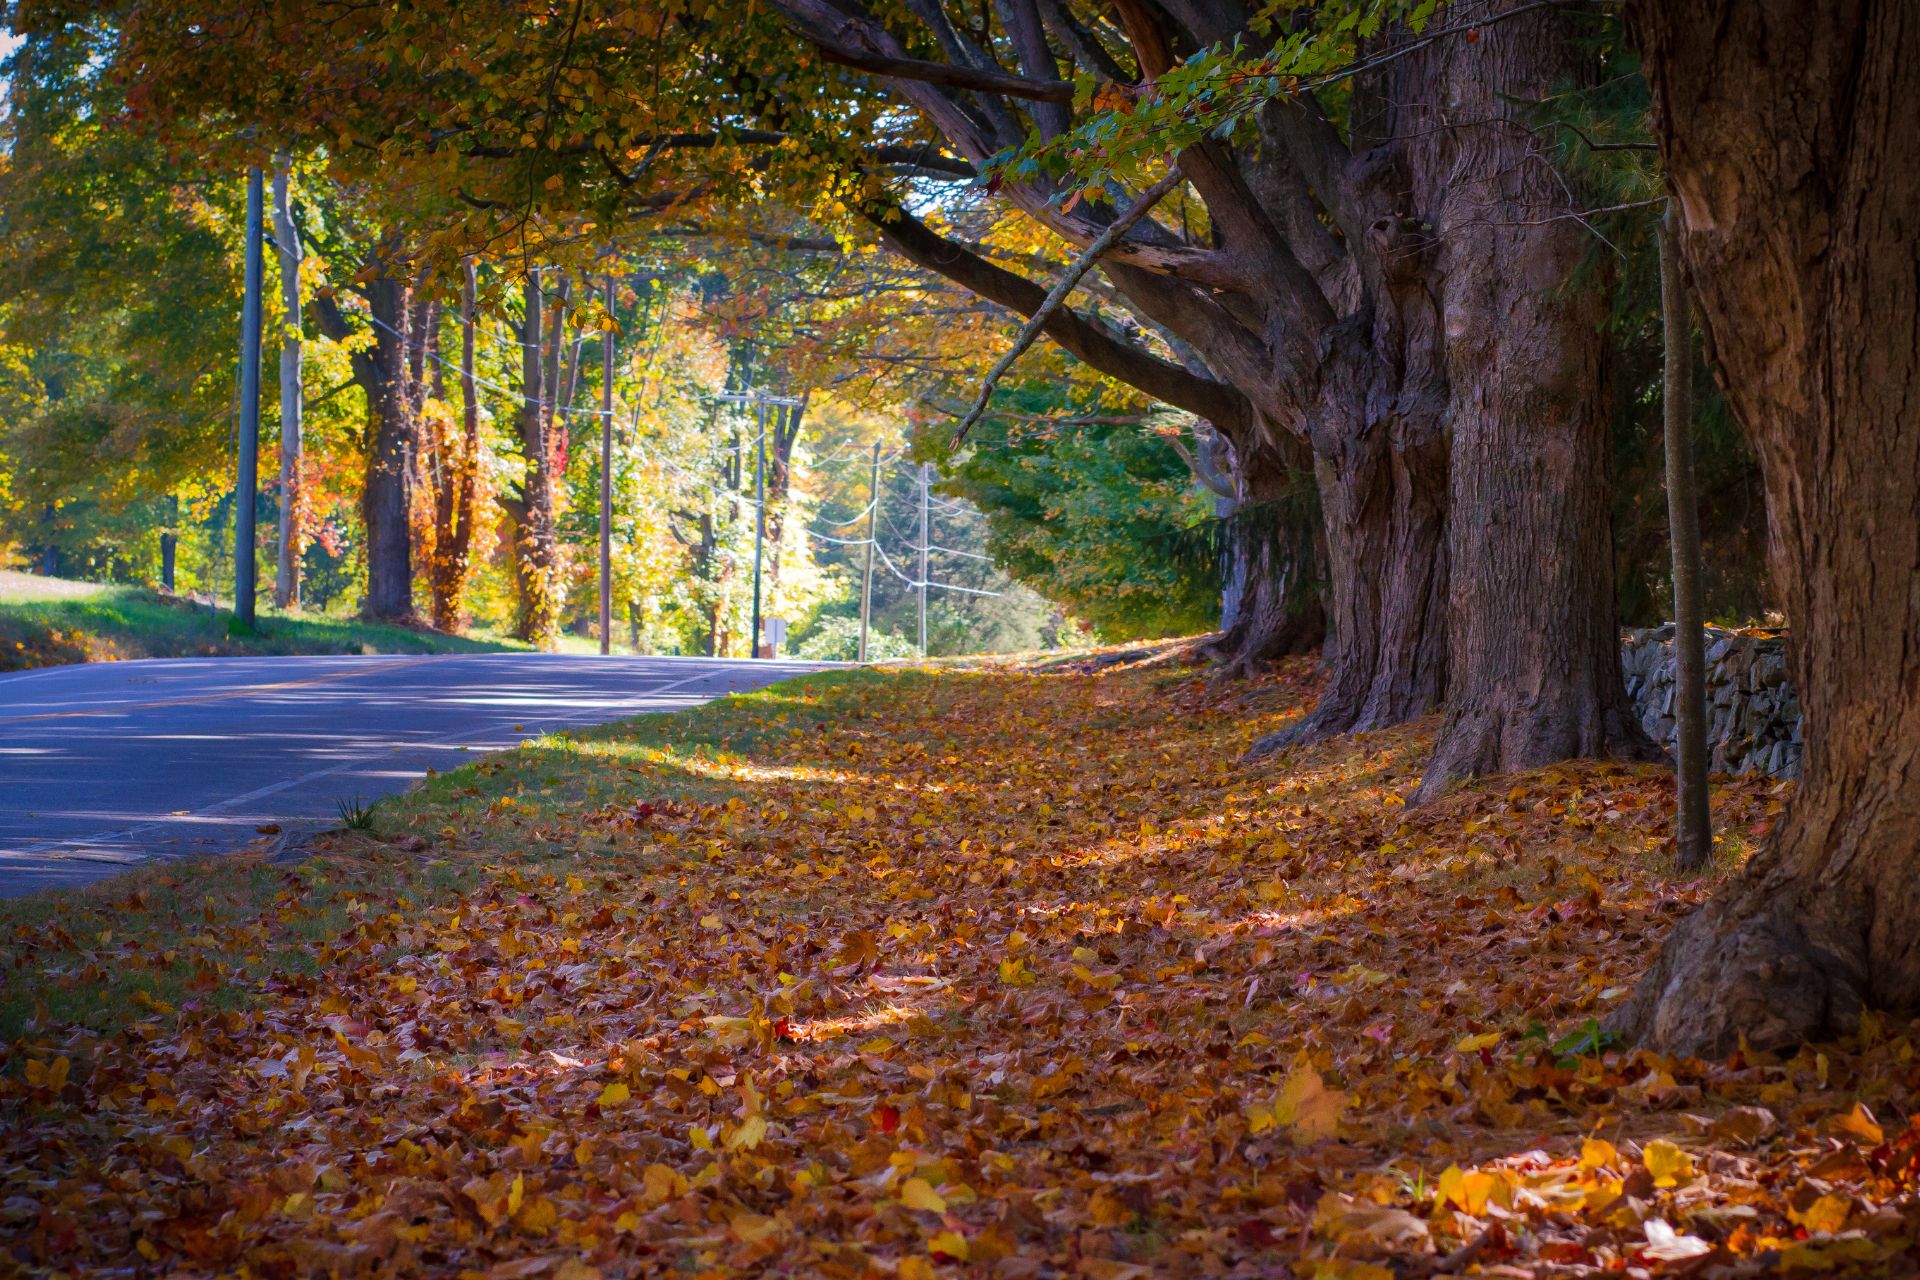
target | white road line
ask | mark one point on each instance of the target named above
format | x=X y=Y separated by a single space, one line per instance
x=50 y=846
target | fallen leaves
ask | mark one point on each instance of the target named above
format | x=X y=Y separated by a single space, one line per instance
x=907 y=989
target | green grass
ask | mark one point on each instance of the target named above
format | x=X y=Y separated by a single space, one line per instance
x=144 y=942
x=49 y=621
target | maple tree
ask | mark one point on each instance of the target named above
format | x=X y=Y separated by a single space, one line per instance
x=1362 y=262
x=1326 y=303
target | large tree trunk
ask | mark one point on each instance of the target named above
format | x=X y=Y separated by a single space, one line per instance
x=1789 y=139
x=1383 y=497
x=1534 y=647
x=1276 y=567
x=386 y=501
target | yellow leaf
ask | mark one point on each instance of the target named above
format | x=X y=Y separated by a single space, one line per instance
x=53 y=1076
x=537 y=1216
x=1473 y=1044
x=1468 y=1192
x=1307 y=1106
x=750 y=1228
x=1828 y=1214
x=1667 y=1163
x=516 y=1193
x=1015 y=973
x=663 y=1182
x=749 y=1134
x=615 y=1094
x=1859 y=1122
x=915 y=1268
x=918 y=1193
x=1597 y=1153
x=710 y=922
x=951 y=1244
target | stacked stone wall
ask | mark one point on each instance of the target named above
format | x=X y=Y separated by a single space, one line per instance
x=1753 y=713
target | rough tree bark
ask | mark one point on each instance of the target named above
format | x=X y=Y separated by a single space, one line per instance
x=386 y=502
x=1789 y=138
x=530 y=514
x=382 y=371
x=1276 y=556
x=1534 y=645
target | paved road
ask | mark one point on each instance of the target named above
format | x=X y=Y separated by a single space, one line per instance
x=110 y=764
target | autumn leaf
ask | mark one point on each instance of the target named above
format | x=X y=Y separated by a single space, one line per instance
x=1668 y=1164
x=1306 y=1108
x=917 y=1193
x=1664 y=1244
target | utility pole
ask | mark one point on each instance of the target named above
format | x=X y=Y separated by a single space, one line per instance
x=873 y=536
x=286 y=238
x=924 y=468
x=606 y=478
x=246 y=479
x=169 y=540
x=760 y=523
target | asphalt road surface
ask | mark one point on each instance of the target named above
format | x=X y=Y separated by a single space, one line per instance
x=110 y=764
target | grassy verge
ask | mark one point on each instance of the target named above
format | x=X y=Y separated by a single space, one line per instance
x=48 y=622
x=208 y=931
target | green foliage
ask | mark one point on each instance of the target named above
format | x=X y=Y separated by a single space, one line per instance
x=45 y=622
x=1087 y=514
x=837 y=639
x=118 y=282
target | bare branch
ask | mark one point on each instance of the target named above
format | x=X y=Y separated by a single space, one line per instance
x=1056 y=296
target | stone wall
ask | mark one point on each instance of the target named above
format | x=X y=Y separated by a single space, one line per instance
x=1753 y=713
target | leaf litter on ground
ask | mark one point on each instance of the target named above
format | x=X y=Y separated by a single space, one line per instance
x=969 y=972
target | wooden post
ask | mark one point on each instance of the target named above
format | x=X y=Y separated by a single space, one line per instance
x=873 y=537
x=246 y=477
x=606 y=479
x=286 y=237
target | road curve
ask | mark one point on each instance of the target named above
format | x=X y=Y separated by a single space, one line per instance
x=110 y=764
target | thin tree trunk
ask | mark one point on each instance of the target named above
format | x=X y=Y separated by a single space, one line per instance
x=536 y=555
x=1693 y=818
x=785 y=425
x=1533 y=642
x=387 y=500
x=169 y=541
x=1789 y=138
x=286 y=236
x=458 y=483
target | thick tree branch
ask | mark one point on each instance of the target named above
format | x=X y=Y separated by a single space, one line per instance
x=1057 y=296
x=944 y=73
x=1086 y=339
